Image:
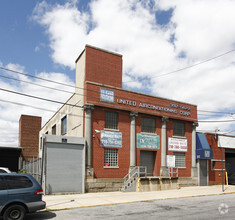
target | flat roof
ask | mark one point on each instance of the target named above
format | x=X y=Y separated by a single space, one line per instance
x=11 y=148
x=97 y=48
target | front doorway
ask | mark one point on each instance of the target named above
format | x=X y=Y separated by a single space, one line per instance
x=147 y=158
x=203 y=172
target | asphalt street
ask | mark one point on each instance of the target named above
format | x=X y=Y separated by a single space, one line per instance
x=203 y=207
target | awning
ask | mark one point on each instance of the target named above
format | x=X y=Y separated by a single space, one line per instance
x=203 y=149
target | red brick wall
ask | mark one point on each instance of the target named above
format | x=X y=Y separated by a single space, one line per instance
x=29 y=127
x=182 y=172
x=215 y=176
x=98 y=120
x=103 y=67
x=157 y=164
x=98 y=116
x=93 y=97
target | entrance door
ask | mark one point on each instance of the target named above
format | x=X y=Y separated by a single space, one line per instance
x=203 y=172
x=147 y=158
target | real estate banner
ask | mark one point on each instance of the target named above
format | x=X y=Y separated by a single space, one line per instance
x=111 y=139
x=177 y=144
x=148 y=141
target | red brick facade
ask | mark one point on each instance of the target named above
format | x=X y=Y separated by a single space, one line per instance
x=103 y=67
x=29 y=127
x=215 y=172
x=104 y=70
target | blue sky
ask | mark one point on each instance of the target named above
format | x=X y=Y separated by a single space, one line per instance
x=155 y=37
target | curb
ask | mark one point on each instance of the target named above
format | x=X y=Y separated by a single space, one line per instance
x=147 y=200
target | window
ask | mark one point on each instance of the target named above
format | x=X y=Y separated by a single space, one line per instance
x=53 y=130
x=2 y=184
x=148 y=125
x=178 y=129
x=111 y=120
x=64 y=125
x=110 y=157
x=179 y=159
x=16 y=182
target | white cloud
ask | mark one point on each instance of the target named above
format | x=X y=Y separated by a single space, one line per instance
x=11 y=111
x=201 y=30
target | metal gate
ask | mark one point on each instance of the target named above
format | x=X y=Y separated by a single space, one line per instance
x=203 y=172
x=64 y=166
x=147 y=158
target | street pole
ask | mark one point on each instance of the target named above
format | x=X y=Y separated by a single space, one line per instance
x=222 y=169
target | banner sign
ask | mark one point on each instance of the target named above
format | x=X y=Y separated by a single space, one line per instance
x=148 y=141
x=106 y=95
x=177 y=144
x=110 y=139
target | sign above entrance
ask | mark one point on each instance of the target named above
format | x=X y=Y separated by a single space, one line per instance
x=173 y=108
x=148 y=141
x=177 y=144
x=110 y=139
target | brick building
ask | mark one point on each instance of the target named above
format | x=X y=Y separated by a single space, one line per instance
x=223 y=160
x=29 y=127
x=124 y=129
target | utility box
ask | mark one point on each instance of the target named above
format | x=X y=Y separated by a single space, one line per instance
x=63 y=164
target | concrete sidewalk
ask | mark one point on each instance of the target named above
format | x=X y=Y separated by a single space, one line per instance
x=59 y=202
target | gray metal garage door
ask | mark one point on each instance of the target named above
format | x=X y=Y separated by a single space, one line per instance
x=147 y=158
x=203 y=172
x=64 y=168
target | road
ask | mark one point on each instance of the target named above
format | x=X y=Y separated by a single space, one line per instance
x=205 y=207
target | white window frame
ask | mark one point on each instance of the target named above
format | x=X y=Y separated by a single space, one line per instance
x=179 y=159
x=110 y=158
x=64 y=125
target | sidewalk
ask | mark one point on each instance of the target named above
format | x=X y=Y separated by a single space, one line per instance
x=59 y=202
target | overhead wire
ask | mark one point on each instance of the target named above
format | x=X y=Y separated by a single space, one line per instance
x=188 y=67
x=217 y=112
x=65 y=84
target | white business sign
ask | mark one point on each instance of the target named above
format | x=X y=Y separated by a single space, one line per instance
x=170 y=160
x=177 y=144
x=226 y=142
x=106 y=95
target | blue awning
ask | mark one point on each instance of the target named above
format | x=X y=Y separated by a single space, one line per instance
x=203 y=149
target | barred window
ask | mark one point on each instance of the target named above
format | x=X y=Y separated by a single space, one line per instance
x=179 y=159
x=53 y=130
x=178 y=129
x=148 y=125
x=64 y=125
x=111 y=120
x=110 y=157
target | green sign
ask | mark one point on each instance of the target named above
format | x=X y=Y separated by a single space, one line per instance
x=148 y=141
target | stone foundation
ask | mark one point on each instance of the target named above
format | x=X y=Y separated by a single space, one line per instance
x=157 y=184
x=103 y=184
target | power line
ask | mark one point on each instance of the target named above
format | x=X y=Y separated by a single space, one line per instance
x=36 y=77
x=35 y=84
x=64 y=84
x=44 y=109
x=188 y=67
x=36 y=97
x=217 y=121
x=76 y=115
